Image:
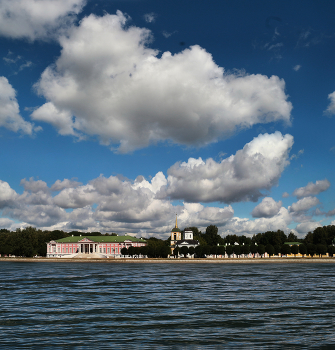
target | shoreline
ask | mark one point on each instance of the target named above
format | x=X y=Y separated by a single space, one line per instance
x=177 y=261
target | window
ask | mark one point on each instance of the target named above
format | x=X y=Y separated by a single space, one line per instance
x=104 y=250
x=70 y=250
x=66 y=250
x=108 y=250
x=100 y=249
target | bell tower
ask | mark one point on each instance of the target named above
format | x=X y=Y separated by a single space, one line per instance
x=175 y=234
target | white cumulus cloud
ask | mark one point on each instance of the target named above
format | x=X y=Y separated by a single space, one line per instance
x=312 y=188
x=304 y=204
x=35 y=19
x=240 y=177
x=267 y=208
x=10 y=117
x=109 y=83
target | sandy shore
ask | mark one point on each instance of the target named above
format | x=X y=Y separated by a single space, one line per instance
x=177 y=261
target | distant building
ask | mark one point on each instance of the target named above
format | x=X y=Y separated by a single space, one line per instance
x=178 y=241
x=91 y=246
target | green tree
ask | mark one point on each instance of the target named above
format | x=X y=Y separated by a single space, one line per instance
x=285 y=249
x=311 y=249
x=245 y=249
x=211 y=235
x=321 y=249
x=221 y=250
x=292 y=237
x=176 y=252
x=191 y=250
x=277 y=249
x=131 y=251
x=331 y=250
x=229 y=250
x=260 y=249
x=198 y=251
x=237 y=250
x=164 y=251
x=253 y=249
x=184 y=251
x=214 y=250
x=295 y=249
x=124 y=251
x=270 y=249
x=302 y=249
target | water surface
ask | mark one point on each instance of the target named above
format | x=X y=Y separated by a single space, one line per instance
x=166 y=306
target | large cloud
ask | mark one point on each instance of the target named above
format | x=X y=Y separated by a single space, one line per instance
x=307 y=227
x=109 y=83
x=34 y=19
x=10 y=117
x=241 y=177
x=312 y=189
x=267 y=208
x=304 y=204
x=241 y=226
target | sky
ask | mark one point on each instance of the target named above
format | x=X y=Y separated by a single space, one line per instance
x=116 y=115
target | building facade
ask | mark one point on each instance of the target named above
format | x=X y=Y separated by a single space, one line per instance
x=97 y=246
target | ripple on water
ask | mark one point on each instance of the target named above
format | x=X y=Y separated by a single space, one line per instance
x=170 y=306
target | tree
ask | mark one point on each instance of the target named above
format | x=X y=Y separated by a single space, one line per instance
x=302 y=249
x=211 y=235
x=176 y=252
x=124 y=251
x=331 y=250
x=221 y=250
x=285 y=249
x=229 y=250
x=198 y=251
x=321 y=249
x=214 y=250
x=191 y=251
x=245 y=249
x=131 y=251
x=295 y=249
x=311 y=249
x=270 y=249
x=184 y=251
x=253 y=249
x=277 y=249
x=292 y=237
x=206 y=250
x=260 y=249
x=164 y=251
x=237 y=250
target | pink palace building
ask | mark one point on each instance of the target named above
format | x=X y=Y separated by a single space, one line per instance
x=96 y=246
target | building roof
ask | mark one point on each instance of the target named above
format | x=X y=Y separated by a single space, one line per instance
x=187 y=241
x=176 y=229
x=101 y=239
x=293 y=243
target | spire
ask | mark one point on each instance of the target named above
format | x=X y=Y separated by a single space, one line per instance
x=176 y=222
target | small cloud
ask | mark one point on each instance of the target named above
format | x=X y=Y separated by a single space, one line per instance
x=285 y=195
x=331 y=108
x=275 y=46
x=150 y=17
x=297 y=67
x=25 y=65
x=296 y=156
x=167 y=34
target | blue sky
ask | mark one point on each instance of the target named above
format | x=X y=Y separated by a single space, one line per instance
x=117 y=115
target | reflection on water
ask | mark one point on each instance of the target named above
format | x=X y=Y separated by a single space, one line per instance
x=172 y=306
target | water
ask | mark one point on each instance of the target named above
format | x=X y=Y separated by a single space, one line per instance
x=166 y=306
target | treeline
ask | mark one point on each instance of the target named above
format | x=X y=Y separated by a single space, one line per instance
x=320 y=241
x=31 y=241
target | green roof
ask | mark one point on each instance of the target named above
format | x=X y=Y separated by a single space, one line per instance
x=176 y=229
x=292 y=243
x=100 y=239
